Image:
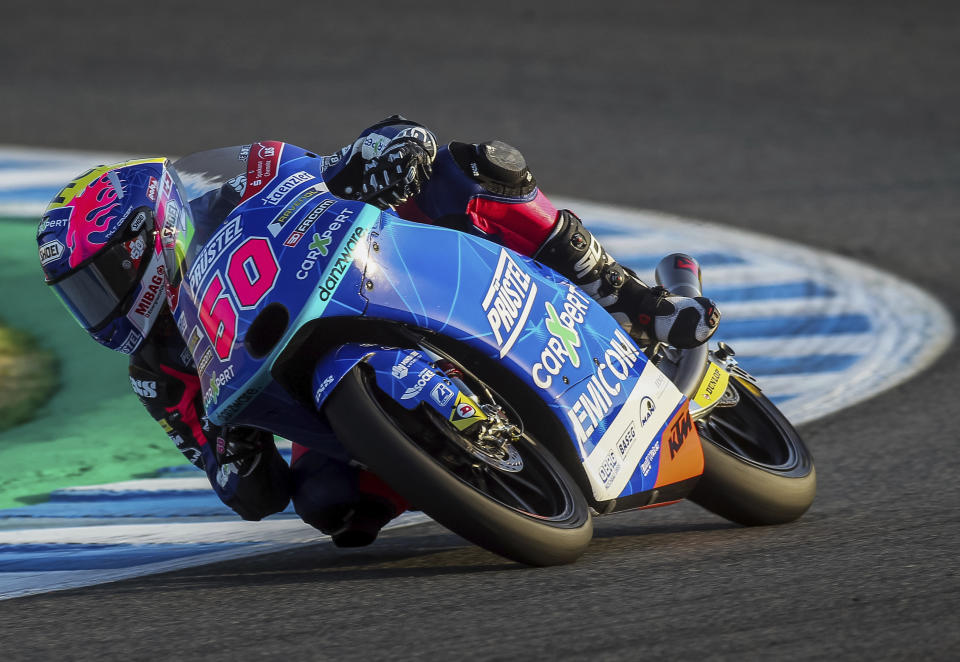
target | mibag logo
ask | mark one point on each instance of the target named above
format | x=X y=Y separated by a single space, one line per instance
x=149 y=298
x=279 y=192
x=143 y=388
x=508 y=301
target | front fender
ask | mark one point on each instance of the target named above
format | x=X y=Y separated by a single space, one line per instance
x=406 y=375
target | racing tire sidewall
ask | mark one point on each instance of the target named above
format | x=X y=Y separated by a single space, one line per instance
x=369 y=434
x=750 y=494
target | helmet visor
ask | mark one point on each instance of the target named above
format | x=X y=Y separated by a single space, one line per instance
x=96 y=291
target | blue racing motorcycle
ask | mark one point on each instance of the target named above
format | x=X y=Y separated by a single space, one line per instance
x=484 y=387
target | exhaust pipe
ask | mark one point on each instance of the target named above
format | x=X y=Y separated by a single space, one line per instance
x=680 y=274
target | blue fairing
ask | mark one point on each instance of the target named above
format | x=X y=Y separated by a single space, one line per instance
x=500 y=302
x=406 y=375
x=292 y=246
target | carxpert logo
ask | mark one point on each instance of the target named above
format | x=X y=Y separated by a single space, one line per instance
x=564 y=341
x=508 y=301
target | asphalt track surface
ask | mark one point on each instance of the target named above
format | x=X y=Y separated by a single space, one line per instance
x=835 y=124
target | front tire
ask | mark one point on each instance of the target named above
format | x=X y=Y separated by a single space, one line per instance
x=757 y=470
x=548 y=523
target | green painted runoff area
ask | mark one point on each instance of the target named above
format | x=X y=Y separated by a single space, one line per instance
x=94 y=429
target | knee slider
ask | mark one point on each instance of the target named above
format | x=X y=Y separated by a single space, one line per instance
x=496 y=166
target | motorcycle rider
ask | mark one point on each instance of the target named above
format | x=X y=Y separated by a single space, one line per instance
x=97 y=252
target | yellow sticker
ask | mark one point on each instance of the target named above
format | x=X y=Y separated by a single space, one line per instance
x=713 y=385
x=465 y=412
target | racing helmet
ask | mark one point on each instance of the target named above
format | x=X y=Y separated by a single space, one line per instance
x=99 y=253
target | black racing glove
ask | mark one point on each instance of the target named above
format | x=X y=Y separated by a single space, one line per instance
x=397 y=174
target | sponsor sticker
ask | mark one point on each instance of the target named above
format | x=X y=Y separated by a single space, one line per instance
x=152 y=187
x=225 y=236
x=138 y=221
x=564 y=338
x=646 y=409
x=212 y=394
x=508 y=301
x=204 y=360
x=465 y=412
x=401 y=369
x=129 y=343
x=51 y=224
x=280 y=191
x=194 y=339
x=713 y=386
x=261 y=167
x=441 y=394
x=323 y=387
x=609 y=469
x=341 y=263
x=648 y=459
x=424 y=378
x=151 y=294
x=51 y=251
x=144 y=388
x=276 y=225
x=626 y=440
x=596 y=398
x=294 y=238
x=240 y=403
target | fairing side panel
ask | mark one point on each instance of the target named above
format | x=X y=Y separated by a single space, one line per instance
x=550 y=334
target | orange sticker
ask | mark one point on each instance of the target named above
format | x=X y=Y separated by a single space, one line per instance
x=681 y=456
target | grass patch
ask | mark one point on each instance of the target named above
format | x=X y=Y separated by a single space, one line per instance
x=29 y=375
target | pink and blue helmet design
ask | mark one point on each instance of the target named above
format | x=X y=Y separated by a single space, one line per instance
x=99 y=253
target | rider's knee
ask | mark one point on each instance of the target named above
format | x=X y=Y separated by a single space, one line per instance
x=496 y=166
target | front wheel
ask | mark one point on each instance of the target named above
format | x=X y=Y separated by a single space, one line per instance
x=757 y=469
x=536 y=515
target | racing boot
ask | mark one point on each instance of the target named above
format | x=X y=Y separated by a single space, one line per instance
x=345 y=502
x=648 y=314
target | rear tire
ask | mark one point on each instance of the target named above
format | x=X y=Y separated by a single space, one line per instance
x=757 y=470
x=393 y=442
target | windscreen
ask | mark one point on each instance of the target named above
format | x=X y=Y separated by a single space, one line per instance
x=211 y=185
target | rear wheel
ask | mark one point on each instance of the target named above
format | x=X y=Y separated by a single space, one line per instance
x=757 y=469
x=515 y=500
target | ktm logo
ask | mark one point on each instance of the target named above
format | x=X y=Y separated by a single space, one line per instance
x=678 y=434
